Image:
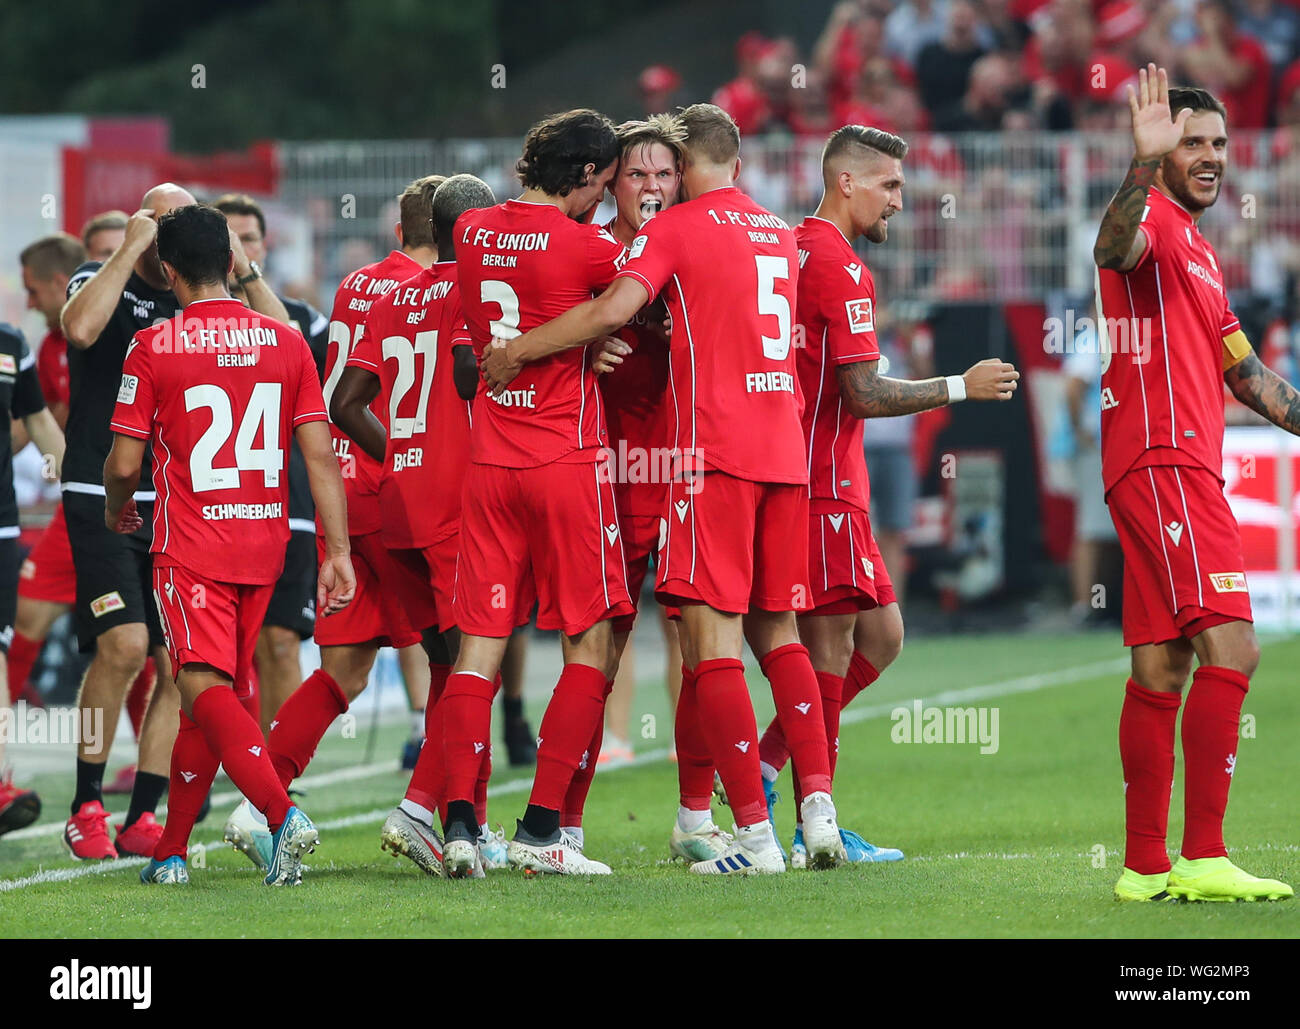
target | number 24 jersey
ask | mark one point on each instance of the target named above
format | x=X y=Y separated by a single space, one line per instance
x=219 y=390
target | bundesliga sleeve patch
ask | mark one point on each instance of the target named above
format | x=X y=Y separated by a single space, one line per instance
x=860 y=315
x=101 y=606
x=638 y=247
x=8 y=366
x=1229 y=582
x=126 y=392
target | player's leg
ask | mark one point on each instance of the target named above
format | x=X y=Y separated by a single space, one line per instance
x=32 y=623
x=518 y=735
x=1227 y=655
x=140 y=831
x=615 y=745
x=279 y=668
x=18 y=808
x=413 y=662
x=580 y=570
x=47 y=589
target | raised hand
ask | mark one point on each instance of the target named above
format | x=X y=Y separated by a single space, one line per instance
x=1155 y=132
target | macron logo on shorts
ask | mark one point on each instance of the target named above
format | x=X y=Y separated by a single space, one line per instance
x=611 y=532
x=1229 y=582
x=1175 y=531
x=836 y=521
x=101 y=606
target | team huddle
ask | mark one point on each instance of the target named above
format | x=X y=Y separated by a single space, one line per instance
x=517 y=415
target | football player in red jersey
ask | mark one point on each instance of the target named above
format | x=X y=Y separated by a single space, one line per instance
x=538 y=505
x=855 y=628
x=217 y=390
x=1170 y=343
x=636 y=406
x=390 y=599
x=47 y=584
x=728 y=269
x=415 y=356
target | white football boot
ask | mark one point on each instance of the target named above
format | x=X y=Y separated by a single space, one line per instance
x=703 y=843
x=821 y=834
x=559 y=856
x=754 y=851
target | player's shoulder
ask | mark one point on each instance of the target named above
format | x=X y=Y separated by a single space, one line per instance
x=82 y=274
x=12 y=340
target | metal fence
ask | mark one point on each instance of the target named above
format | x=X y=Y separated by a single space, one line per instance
x=986 y=217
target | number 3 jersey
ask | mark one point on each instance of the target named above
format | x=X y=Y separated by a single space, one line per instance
x=219 y=390
x=407 y=342
x=521 y=264
x=728 y=271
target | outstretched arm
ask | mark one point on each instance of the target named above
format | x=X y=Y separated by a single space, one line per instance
x=1265 y=392
x=869 y=394
x=611 y=310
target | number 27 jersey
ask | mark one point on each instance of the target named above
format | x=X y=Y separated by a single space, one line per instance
x=728 y=270
x=219 y=390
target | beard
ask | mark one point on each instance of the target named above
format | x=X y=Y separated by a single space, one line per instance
x=1182 y=189
x=878 y=231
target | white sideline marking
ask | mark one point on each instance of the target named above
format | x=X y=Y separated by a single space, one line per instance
x=1023 y=684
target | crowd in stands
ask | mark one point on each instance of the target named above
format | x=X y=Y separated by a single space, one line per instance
x=1010 y=65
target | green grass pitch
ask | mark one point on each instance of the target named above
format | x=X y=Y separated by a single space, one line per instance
x=1026 y=841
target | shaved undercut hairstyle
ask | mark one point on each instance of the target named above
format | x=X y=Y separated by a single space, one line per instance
x=1194 y=99
x=416 y=205
x=458 y=194
x=558 y=149
x=658 y=128
x=711 y=134
x=853 y=140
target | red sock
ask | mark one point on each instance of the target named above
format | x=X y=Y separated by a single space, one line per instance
x=799 y=706
x=694 y=763
x=726 y=717
x=302 y=721
x=480 y=788
x=575 y=798
x=194 y=766
x=466 y=733
x=137 y=697
x=571 y=719
x=772 y=749
x=23 y=653
x=1211 y=718
x=234 y=737
x=1146 y=750
x=832 y=690
x=428 y=779
x=862 y=673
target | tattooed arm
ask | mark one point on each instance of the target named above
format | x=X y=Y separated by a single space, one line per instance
x=867 y=394
x=1264 y=391
x=1119 y=245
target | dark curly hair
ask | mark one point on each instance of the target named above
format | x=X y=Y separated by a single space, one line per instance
x=558 y=148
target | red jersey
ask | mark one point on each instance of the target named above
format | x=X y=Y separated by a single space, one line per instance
x=408 y=343
x=1169 y=335
x=837 y=300
x=52 y=369
x=636 y=414
x=522 y=264
x=219 y=390
x=728 y=270
x=356 y=293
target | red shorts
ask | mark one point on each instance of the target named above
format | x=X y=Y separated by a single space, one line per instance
x=734 y=544
x=392 y=604
x=556 y=526
x=436 y=566
x=210 y=623
x=1183 y=569
x=641 y=538
x=844 y=562
x=47 y=574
